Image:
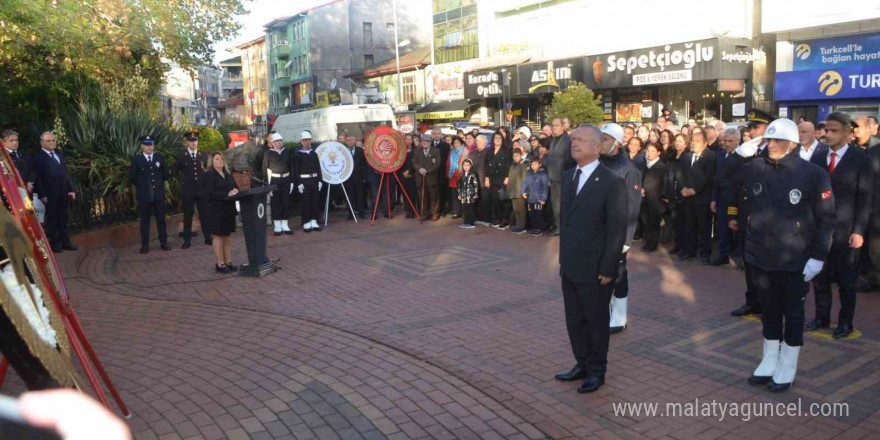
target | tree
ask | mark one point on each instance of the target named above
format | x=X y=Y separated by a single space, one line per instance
x=578 y=104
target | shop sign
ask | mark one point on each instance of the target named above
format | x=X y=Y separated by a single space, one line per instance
x=485 y=84
x=454 y=114
x=445 y=82
x=837 y=52
x=841 y=83
x=334 y=97
x=548 y=76
x=406 y=121
x=672 y=63
x=322 y=99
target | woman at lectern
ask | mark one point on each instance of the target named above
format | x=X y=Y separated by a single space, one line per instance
x=220 y=221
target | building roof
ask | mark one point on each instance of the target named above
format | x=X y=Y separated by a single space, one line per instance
x=283 y=20
x=258 y=40
x=408 y=61
x=231 y=62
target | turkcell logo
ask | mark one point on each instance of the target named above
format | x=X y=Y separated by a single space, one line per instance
x=837 y=52
x=844 y=83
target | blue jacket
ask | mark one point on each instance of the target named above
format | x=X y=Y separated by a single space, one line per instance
x=537 y=186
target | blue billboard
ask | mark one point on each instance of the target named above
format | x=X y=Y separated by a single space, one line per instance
x=837 y=52
x=822 y=84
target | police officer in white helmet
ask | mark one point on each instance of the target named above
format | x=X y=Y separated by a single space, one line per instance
x=791 y=221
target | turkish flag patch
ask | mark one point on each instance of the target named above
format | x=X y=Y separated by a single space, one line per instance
x=826 y=195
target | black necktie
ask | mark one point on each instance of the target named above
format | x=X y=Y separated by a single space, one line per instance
x=15 y=155
x=54 y=157
x=193 y=156
x=577 y=180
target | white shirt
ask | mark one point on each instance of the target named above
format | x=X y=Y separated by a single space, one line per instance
x=586 y=172
x=52 y=153
x=839 y=157
x=149 y=157
x=807 y=153
x=695 y=157
x=652 y=162
x=192 y=152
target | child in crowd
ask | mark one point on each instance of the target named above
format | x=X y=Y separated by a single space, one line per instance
x=515 y=178
x=468 y=192
x=536 y=188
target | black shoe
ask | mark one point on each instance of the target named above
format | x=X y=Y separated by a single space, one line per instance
x=591 y=383
x=165 y=247
x=232 y=267
x=719 y=261
x=278 y=234
x=863 y=285
x=568 y=376
x=616 y=330
x=745 y=310
x=759 y=380
x=288 y=232
x=144 y=250
x=69 y=247
x=778 y=387
x=843 y=330
x=684 y=256
x=817 y=324
x=186 y=245
x=222 y=268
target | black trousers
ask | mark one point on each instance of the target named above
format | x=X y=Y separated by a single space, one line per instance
x=587 y=317
x=483 y=209
x=782 y=305
x=621 y=283
x=698 y=224
x=430 y=204
x=156 y=209
x=444 y=201
x=310 y=204
x=190 y=204
x=454 y=203
x=468 y=209
x=495 y=210
x=537 y=216
x=874 y=247
x=751 y=288
x=409 y=185
x=676 y=214
x=281 y=199
x=356 y=196
x=56 y=220
x=841 y=266
x=650 y=226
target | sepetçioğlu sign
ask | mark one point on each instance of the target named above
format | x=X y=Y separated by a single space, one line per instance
x=718 y=58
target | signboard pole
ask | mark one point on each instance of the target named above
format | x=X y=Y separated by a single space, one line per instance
x=347 y=201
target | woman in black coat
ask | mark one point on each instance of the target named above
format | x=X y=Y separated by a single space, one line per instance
x=498 y=160
x=220 y=220
x=675 y=171
x=654 y=188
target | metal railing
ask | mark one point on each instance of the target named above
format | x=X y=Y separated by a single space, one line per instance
x=92 y=210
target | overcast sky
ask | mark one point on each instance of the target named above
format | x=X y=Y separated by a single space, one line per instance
x=261 y=12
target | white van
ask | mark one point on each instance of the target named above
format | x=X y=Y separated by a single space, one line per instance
x=326 y=123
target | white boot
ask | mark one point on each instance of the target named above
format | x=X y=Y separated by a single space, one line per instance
x=285 y=228
x=315 y=225
x=307 y=226
x=277 y=224
x=786 y=368
x=618 y=314
x=769 y=361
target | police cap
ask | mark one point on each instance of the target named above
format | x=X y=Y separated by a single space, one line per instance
x=757 y=117
x=147 y=140
x=192 y=135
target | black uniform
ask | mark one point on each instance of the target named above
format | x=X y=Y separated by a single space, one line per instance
x=23 y=164
x=277 y=167
x=445 y=201
x=653 y=208
x=307 y=172
x=354 y=186
x=790 y=220
x=631 y=176
x=190 y=170
x=699 y=173
x=149 y=176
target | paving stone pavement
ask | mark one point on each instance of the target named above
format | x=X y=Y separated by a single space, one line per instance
x=402 y=330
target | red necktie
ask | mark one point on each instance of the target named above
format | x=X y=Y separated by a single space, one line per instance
x=831 y=165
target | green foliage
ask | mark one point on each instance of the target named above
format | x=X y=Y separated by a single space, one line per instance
x=211 y=140
x=578 y=104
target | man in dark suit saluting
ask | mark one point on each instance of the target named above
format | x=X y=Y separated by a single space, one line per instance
x=852 y=182
x=190 y=169
x=55 y=189
x=148 y=173
x=592 y=224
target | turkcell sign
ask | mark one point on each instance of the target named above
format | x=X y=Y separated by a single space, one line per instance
x=837 y=52
x=823 y=84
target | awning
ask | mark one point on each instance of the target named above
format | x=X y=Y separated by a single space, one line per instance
x=443 y=110
x=504 y=61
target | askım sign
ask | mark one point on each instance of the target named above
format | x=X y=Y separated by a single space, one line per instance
x=837 y=52
x=548 y=76
x=822 y=84
x=720 y=58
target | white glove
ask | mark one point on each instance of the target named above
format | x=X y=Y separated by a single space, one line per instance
x=320 y=185
x=423 y=171
x=625 y=248
x=301 y=188
x=812 y=269
x=749 y=148
x=291 y=189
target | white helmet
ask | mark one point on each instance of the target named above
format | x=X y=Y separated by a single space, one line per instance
x=613 y=130
x=784 y=129
x=276 y=137
x=305 y=135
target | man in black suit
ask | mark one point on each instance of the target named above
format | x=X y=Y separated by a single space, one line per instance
x=354 y=186
x=853 y=183
x=441 y=145
x=54 y=186
x=21 y=161
x=721 y=197
x=148 y=173
x=189 y=169
x=697 y=192
x=592 y=226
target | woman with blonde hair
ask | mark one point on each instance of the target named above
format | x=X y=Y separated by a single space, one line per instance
x=220 y=221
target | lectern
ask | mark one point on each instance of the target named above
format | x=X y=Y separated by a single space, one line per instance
x=252 y=203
